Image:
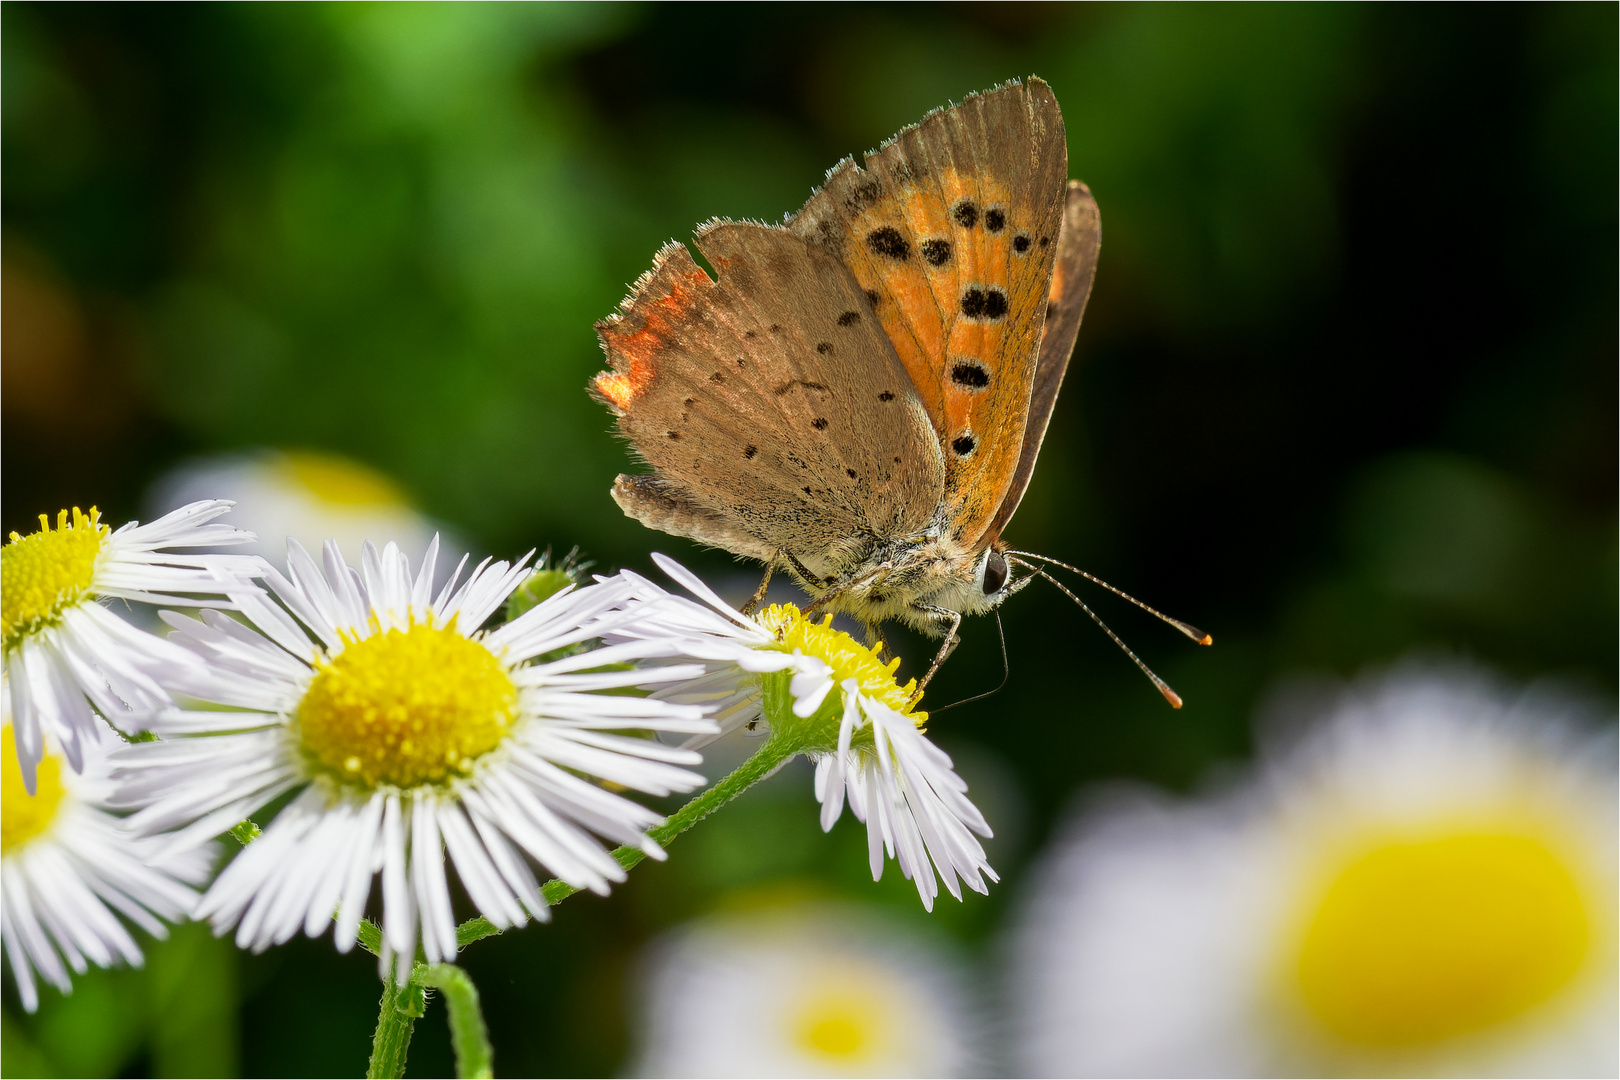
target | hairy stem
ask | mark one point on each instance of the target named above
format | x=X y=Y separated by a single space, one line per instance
x=396 y=1020
x=401 y=1006
x=468 y=1035
x=762 y=763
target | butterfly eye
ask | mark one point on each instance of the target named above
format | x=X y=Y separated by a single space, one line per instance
x=995 y=573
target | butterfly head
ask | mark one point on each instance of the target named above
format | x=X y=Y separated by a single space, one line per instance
x=970 y=582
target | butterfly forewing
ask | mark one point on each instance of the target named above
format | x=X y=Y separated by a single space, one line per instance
x=1078 y=243
x=769 y=401
x=951 y=228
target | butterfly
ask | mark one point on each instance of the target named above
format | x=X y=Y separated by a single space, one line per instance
x=858 y=396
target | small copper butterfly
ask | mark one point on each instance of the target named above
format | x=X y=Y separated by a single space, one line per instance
x=860 y=397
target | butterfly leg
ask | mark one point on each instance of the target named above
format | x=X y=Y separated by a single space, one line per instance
x=1016 y=587
x=952 y=640
x=759 y=594
x=836 y=588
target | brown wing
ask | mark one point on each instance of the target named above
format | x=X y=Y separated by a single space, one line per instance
x=770 y=402
x=952 y=227
x=1076 y=265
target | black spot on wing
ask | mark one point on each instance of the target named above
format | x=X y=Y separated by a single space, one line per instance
x=995 y=220
x=936 y=252
x=1021 y=244
x=819 y=423
x=970 y=374
x=785 y=387
x=750 y=451
x=887 y=395
x=872 y=298
x=888 y=242
x=965 y=213
x=984 y=303
x=824 y=347
x=963 y=444
x=849 y=318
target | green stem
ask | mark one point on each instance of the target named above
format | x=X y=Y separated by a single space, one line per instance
x=762 y=763
x=468 y=1035
x=396 y=1020
x=401 y=1006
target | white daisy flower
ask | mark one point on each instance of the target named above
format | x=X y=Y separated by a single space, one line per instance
x=866 y=739
x=303 y=495
x=817 y=991
x=68 y=869
x=66 y=652
x=402 y=729
x=1424 y=884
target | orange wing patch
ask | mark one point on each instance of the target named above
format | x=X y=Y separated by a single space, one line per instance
x=666 y=302
x=951 y=230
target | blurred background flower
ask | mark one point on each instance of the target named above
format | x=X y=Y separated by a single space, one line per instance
x=1346 y=385
x=1423 y=884
x=804 y=989
x=301 y=495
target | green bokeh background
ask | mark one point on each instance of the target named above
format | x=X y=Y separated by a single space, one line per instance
x=1346 y=388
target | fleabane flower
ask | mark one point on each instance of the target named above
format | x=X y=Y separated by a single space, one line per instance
x=1423 y=884
x=841 y=706
x=821 y=990
x=69 y=869
x=402 y=729
x=65 y=652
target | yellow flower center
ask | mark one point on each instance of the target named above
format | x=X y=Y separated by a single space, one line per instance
x=339 y=481
x=838 y=1026
x=407 y=707
x=848 y=658
x=1415 y=942
x=44 y=572
x=24 y=816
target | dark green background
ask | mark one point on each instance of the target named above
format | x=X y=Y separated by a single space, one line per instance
x=1346 y=388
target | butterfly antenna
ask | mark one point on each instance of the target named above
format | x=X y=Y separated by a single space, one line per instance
x=1185 y=627
x=1006 y=673
x=1164 y=688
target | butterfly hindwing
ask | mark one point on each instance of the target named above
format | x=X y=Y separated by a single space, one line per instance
x=769 y=401
x=952 y=229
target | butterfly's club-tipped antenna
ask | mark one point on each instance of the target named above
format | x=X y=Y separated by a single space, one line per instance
x=1164 y=688
x=1185 y=627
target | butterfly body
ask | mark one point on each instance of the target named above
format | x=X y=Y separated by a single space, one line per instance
x=857 y=397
